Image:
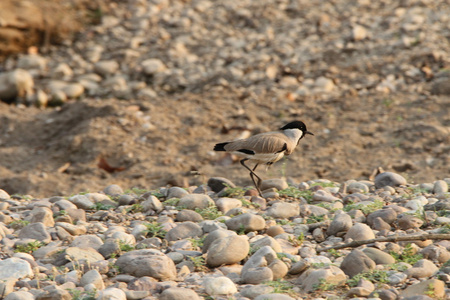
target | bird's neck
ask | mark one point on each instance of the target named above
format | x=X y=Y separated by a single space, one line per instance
x=293 y=134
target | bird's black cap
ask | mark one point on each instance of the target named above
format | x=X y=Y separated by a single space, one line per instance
x=296 y=125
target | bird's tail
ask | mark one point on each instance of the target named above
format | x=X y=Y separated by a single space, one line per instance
x=220 y=147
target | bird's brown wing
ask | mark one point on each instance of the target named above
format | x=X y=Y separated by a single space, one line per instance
x=270 y=142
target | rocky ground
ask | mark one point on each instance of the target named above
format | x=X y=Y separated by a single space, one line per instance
x=136 y=93
x=219 y=241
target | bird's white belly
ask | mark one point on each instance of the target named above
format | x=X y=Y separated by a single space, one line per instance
x=262 y=158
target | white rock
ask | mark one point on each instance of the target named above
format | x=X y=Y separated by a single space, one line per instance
x=152 y=66
x=17 y=83
x=219 y=286
x=14 y=267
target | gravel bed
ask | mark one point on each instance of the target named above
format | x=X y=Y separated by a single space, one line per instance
x=221 y=241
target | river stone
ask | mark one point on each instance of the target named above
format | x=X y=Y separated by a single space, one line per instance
x=341 y=222
x=406 y=222
x=434 y=286
x=246 y=221
x=298 y=267
x=227 y=250
x=277 y=183
x=440 y=187
x=106 y=67
x=330 y=274
x=279 y=269
x=219 y=286
x=357 y=262
x=388 y=215
x=359 y=232
x=273 y=296
x=3 y=194
x=89 y=255
x=257 y=275
x=441 y=86
x=81 y=201
x=15 y=84
x=20 y=295
x=42 y=215
x=54 y=294
x=219 y=183
x=72 y=229
x=36 y=231
x=389 y=179
x=194 y=201
x=378 y=256
x=112 y=294
x=147 y=262
x=436 y=253
x=183 y=231
x=152 y=204
x=267 y=241
x=93 y=277
x=226 y=204
x=283 y=210
x=261 y=258
x=214 y=235
x=275 y=230
x=15 y=268
x=188 y=215
x=252 y=291
x=177 y=293
x=379 y=224
x=88 y=240
x=422 y=269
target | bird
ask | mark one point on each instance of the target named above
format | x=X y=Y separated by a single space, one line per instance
x=265 y=148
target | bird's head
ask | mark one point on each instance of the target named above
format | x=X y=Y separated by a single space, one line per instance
x=297 y=125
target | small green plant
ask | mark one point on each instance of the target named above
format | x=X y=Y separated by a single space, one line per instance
x=375 y=276
x=366 y=208
x=157 y=194
x=397 y=267
x=135 y=208
x=320 y=265
x=297 y=241
x=334 y=253
x=82 y=295
x=324 y=285
x=136 y=191
x=315 y=219
x=328 y=206
x=209 y=213
x=234 y=192
x=416 y=190
x=284 y=255
x=294 y=192
x=19 y=224
x=101 y=206
x=285 y=222
x=408 y=255
x=323 y=184
x=388 y=102
x=199 y=263
x=430 y=290
x=29 y=248
x=155 y=230
x=281 y=287
x=252 y=250
x=241 y=230
x=172 y=201
x=246 y=203
x=124 y=247
x=198 y=242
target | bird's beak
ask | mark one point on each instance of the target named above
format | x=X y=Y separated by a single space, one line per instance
x=309 y=133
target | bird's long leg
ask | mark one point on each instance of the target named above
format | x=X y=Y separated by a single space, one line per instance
x=252 y=173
